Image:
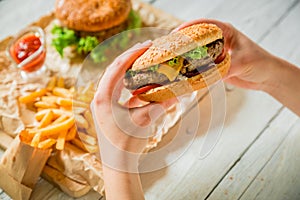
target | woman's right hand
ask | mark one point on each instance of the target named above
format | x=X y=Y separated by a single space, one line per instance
x=251 y=66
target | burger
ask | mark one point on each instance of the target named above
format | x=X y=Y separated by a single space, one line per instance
x=179 y=63
x=84 y=24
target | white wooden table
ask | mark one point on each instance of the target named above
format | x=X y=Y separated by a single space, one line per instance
x=258 y=153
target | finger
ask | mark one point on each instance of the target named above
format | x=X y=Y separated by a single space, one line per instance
x=135 y=102
x=146 y=115
x=241 y=83
x=158 y=109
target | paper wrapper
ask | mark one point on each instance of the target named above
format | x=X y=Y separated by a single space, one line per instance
x=20 y=168
x=80 y=166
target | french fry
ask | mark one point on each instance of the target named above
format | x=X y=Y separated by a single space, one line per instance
x=88 y=88
x=91 y=131
x=57 y=128
x=68 y=109
x=51 y=83
x=87 y=138
x=88 y=116
x=78 y=143
x=42 y=104
x=91 y=148
x=60 y=142
x=32 y=132
x=85 y=147
x=60 y=82
x=81 y=122
x=56 y=112
x=80 y=104
x=65 y=102
x=40 y=109
x=32 y=96
x=85 y=99
x=62 y=92
x=72 y=89
x=60 y=119
x=50 y=99
x=71 y=133
x=36 y=139
x=78 y=110
x=46 y=144
x=26 y=136
x=47 y=119
x=56 y=118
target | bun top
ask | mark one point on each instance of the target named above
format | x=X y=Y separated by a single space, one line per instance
x=92 y=15
x=177 y=43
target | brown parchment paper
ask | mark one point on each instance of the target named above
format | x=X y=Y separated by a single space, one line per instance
x=21 y=165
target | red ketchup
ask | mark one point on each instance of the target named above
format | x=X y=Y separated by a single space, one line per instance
x=24 y=48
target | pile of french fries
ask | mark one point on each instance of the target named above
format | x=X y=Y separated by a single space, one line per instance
x=60 y=118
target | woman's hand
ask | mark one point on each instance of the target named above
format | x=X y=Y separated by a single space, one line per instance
x=124 y=126
x=254 y=68
x=251 y=66
x=123 y=131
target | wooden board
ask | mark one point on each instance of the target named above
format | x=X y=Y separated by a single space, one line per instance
x=248 y=167
x=280 y=177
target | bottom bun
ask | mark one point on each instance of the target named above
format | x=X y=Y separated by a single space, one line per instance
x=194 y=83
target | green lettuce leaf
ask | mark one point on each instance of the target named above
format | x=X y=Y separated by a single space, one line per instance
x=134 y=20
x=87 y=44
x=197 y=53
x=174 y=61
x=63 y=37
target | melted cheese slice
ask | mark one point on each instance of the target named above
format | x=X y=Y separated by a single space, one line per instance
x=170 y=71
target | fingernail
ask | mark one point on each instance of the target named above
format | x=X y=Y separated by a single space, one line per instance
x=174 y=30
x=147 y=42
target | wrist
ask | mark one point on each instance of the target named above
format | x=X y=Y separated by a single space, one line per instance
x=115 y=157
x=285 y=85
x=274 y=75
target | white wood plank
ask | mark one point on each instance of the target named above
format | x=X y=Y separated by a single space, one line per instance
x=254 y=18
x=4 y=196
x=238 y=179
x=187 y=9
x=17 y=14
x=280 y=178
x=283 y=40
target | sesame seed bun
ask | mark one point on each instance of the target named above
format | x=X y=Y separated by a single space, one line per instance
x=194 y=83
x=177 y=43
x=92 y=15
